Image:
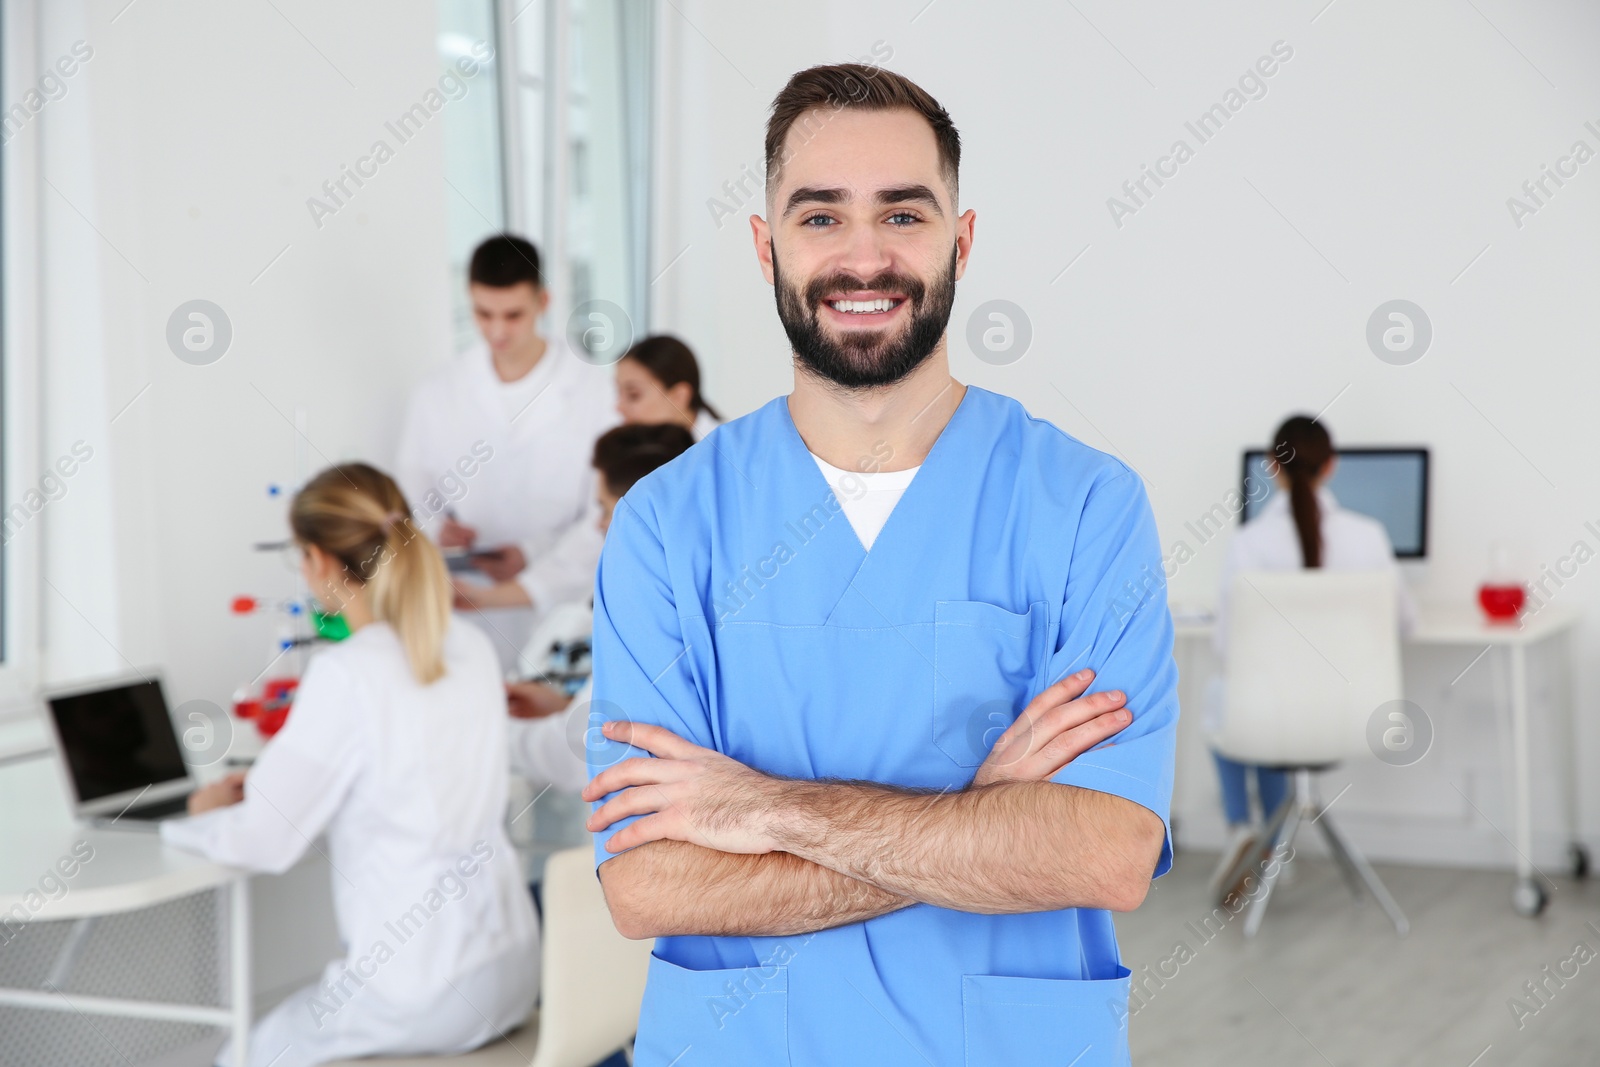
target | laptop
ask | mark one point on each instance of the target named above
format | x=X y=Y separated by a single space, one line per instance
x=119 y=753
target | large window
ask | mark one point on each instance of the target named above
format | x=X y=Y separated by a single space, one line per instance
x=525 y=84
x=609 y=139
x=473 y=147
x=558 y=150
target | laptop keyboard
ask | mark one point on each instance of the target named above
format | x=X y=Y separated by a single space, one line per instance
x=160 y=810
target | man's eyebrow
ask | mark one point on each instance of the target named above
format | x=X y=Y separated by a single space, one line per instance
x=899 y=194
x=813 y=194
x=911 y=194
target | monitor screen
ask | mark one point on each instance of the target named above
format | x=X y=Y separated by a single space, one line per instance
x=117 y=739
x=1389 y=484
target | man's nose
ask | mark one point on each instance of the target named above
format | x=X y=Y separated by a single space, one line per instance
x=866 y=254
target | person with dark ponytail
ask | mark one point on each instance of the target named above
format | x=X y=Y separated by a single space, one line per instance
x=1304 y=454
x=1301 y=526
x=392 y=750
x=658 y=381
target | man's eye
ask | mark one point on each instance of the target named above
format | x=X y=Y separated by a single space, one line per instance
x=906 y=218
x=816 y=218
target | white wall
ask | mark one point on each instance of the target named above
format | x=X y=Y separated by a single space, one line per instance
x=187 y=147
x=1377 y=166
x=182 y=156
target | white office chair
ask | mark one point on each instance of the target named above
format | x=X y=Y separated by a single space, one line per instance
x=591 y=988
x=1311 y=656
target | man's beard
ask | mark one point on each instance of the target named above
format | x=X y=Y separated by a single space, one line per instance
x=863 y=359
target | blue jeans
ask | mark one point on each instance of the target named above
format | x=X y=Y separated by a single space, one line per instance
x=1271 y=786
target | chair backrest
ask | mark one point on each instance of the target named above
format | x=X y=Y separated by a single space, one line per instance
x=593 y=979
x=1312 y=654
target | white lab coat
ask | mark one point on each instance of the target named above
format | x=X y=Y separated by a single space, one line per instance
x=1350 y=542
x=704 y=423
x=536 y=488
x=432 y=904
x=550 y=751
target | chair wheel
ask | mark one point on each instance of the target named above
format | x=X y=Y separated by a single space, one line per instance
x=1528 y=899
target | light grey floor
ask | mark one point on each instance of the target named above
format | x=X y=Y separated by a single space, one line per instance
x=1327 y=981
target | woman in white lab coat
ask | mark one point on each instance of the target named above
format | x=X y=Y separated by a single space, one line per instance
x=549 y=731
x=658 y=381
x=390 y=750
x=1304 y=526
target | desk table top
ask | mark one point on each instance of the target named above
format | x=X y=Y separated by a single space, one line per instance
x=1441 y=625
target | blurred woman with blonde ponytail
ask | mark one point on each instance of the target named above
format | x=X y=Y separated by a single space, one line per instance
x=395 y=749
x=362 y=553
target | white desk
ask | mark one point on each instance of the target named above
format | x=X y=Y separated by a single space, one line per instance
x=129 y=869
x=1467 y=628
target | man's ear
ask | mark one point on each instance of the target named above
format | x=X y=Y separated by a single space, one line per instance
x=966 y=230
x=761 y=234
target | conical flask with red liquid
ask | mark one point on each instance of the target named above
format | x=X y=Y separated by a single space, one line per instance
x=1502 y=595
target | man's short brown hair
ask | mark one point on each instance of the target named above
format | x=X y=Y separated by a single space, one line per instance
x=861 y=87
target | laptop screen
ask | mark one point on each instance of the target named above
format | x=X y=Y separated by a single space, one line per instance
x=117 y=739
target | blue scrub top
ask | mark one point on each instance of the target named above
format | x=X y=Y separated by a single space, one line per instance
x=736 y=607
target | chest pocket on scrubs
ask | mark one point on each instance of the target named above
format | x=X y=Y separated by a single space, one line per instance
x=985 y=662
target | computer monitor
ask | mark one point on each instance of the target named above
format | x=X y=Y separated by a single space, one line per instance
x=117 y=744
x=1389 y=484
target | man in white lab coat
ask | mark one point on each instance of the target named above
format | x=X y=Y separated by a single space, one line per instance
x=499 y=440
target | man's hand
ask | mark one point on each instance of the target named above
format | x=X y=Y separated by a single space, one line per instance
x=470 y=596
x=534 y=700
x=453 y=534
x=219 y=794
x=1057 y=726
x=502 y=564
x=687 y=793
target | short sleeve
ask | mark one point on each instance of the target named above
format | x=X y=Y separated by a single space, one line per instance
x=643 y=667
x=1115 y=621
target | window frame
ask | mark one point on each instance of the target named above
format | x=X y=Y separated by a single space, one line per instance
x=552 y=158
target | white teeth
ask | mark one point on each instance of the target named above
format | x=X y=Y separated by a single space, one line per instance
x=861 y=307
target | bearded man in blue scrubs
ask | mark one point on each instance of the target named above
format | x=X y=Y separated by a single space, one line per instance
x=886 y=685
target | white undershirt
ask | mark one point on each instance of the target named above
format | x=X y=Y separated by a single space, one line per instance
x=867 y=499
x=516 y=395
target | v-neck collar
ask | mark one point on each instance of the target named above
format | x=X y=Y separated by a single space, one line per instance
x=797 y=449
